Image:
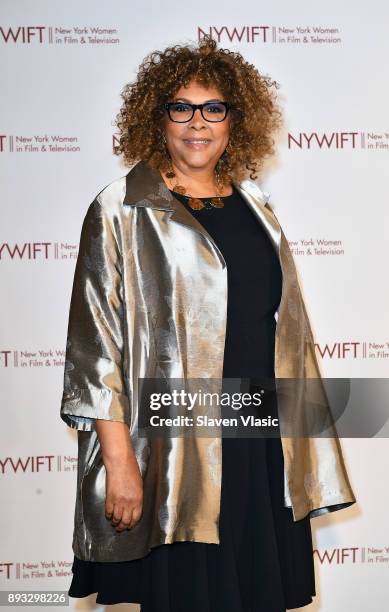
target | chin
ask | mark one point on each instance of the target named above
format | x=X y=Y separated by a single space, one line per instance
x=197 y=161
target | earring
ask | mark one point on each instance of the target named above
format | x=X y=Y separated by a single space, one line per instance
x=252 y=166
x=170 y=174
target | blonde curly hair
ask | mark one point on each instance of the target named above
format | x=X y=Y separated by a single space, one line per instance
x=256 y=115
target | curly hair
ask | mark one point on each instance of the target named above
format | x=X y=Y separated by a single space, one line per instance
x=254 y=108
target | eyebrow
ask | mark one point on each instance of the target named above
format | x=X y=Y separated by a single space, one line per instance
x=190 y=102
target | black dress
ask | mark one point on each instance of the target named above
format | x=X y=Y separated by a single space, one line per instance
x=264 y=562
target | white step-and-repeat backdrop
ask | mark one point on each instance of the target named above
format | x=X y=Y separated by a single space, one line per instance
x=63 y=65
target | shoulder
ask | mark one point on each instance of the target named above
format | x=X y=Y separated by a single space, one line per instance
x=110 y=199
x=107 y=205
x=104 y=215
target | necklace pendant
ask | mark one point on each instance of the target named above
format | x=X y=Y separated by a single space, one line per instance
x=217 y=202
x=195 y=203
x=180 y=189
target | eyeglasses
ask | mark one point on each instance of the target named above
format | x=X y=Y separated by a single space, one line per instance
x=182 y=112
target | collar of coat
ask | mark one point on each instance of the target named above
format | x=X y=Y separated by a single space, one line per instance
x=146 y=187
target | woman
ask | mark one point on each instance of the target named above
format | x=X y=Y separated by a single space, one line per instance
x=182 y=271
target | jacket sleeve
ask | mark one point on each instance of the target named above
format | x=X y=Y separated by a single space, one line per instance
x=93 y=386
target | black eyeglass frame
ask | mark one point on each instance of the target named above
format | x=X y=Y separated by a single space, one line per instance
x=194 y=107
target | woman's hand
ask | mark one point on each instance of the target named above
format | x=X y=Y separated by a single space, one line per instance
x=124 y=494
x=124 y=483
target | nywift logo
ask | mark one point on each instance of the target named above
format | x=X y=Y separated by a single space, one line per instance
x=43 y=143
x=335 y=140
x=36 y=570
x=36 y=464
x=58 y=35
x=354 y=350
x=303 y=35
x=41 y=358
x=24 y=35
x=33 y=251
x=352 y=555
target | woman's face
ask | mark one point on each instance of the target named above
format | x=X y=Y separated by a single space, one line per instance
x=182 y=138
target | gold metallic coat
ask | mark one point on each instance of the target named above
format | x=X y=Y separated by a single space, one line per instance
x=149 y=299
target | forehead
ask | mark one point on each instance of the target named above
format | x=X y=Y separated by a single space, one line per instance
x=195 y=92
